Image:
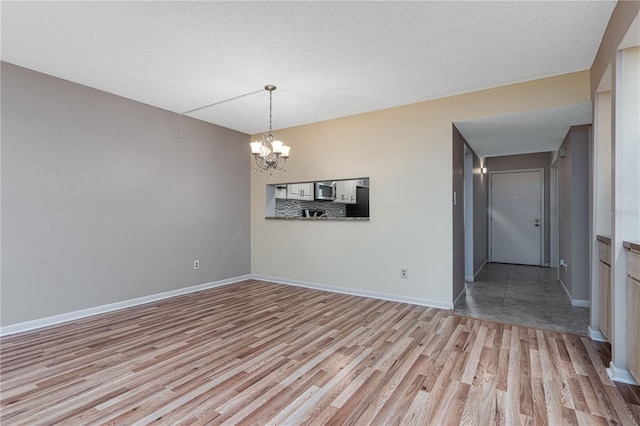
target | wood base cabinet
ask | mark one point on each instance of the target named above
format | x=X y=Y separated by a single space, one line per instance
x=605 y=290
x=605 y=300
x=633 y=314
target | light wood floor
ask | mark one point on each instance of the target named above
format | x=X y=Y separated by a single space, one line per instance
x=263 y=353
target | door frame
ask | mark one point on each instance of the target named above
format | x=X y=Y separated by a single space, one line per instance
x=554 y=243
x=542 y=207
x=468 y=214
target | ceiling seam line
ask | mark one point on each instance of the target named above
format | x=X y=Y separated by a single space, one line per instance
x=221 y=102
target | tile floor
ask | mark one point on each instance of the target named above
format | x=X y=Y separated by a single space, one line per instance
x=522 y=295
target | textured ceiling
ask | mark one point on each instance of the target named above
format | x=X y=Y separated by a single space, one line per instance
x=526 y=132
x=328 y=59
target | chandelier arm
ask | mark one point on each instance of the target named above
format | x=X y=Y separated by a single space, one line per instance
x=260 y=163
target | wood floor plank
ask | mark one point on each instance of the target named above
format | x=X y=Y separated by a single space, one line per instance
x=417 y=412
x=539 y=408
x=512 y=403
x=474 y=356
x=397 y=376
x=256 y=352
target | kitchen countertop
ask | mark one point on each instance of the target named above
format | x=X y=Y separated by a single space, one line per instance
x=631 y=245
x=339 y=219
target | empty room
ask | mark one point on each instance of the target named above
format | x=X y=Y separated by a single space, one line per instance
x=375 y=213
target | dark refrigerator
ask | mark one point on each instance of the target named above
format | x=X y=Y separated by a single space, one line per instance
x=361 y=208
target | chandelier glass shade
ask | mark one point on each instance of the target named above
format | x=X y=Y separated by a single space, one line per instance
x=270 y=152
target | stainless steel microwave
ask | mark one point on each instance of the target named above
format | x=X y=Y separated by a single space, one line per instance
x=325 y=190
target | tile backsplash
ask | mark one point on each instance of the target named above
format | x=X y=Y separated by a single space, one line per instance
x=295 y=208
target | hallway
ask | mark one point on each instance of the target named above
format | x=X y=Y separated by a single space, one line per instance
x=522 y=295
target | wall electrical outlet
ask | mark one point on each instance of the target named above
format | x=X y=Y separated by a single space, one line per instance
x=404 y=272
x=564 y=264
x=196 y=264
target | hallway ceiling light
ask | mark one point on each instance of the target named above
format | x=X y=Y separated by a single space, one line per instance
x=269 y=151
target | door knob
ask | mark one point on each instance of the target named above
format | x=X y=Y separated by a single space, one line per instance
x=536 y=225
x=537 y=220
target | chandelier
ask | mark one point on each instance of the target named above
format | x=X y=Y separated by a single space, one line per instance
x=269 y=151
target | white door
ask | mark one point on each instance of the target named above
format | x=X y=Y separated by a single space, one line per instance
x=516 y=217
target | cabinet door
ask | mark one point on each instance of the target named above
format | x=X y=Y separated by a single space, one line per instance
x=633 y=327
x=603 y=252
x=300 y=191
x=363 y=182
x=605 y=299
x=633 y=313
x=306 y=191
x=281 y=192
x=293 y=191
x=346 y=191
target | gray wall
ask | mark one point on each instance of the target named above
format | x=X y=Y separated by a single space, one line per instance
x=480 y=216
x=573 y=211
x=480 y=224
x=564 y=212
x=458 y=213
x=540 y=160
x=103 y=202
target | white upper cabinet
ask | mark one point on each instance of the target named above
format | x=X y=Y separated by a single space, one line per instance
x=281 y=191
x=300 y=191
x=346 y=191
x=364 y=182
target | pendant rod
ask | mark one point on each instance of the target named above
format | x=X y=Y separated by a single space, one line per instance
x=221 y=102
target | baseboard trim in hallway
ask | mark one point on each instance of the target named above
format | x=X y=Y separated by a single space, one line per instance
x=597 y=335
x=575 y=302
x=581 y=303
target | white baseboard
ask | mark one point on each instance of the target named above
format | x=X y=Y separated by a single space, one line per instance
x=575 y=302
x=581 y=303
x=620 y=375
x=565 y=288
x=71 y=316
x=475 y=274
x=597 y=335
x=355 y=292
x=459 y=296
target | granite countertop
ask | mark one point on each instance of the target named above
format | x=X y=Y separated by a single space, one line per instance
x=604 y=239
x=340 y=219
x=631 y=245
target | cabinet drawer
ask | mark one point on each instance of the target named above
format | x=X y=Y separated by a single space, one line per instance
x=633 y=265
x=604 y=253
